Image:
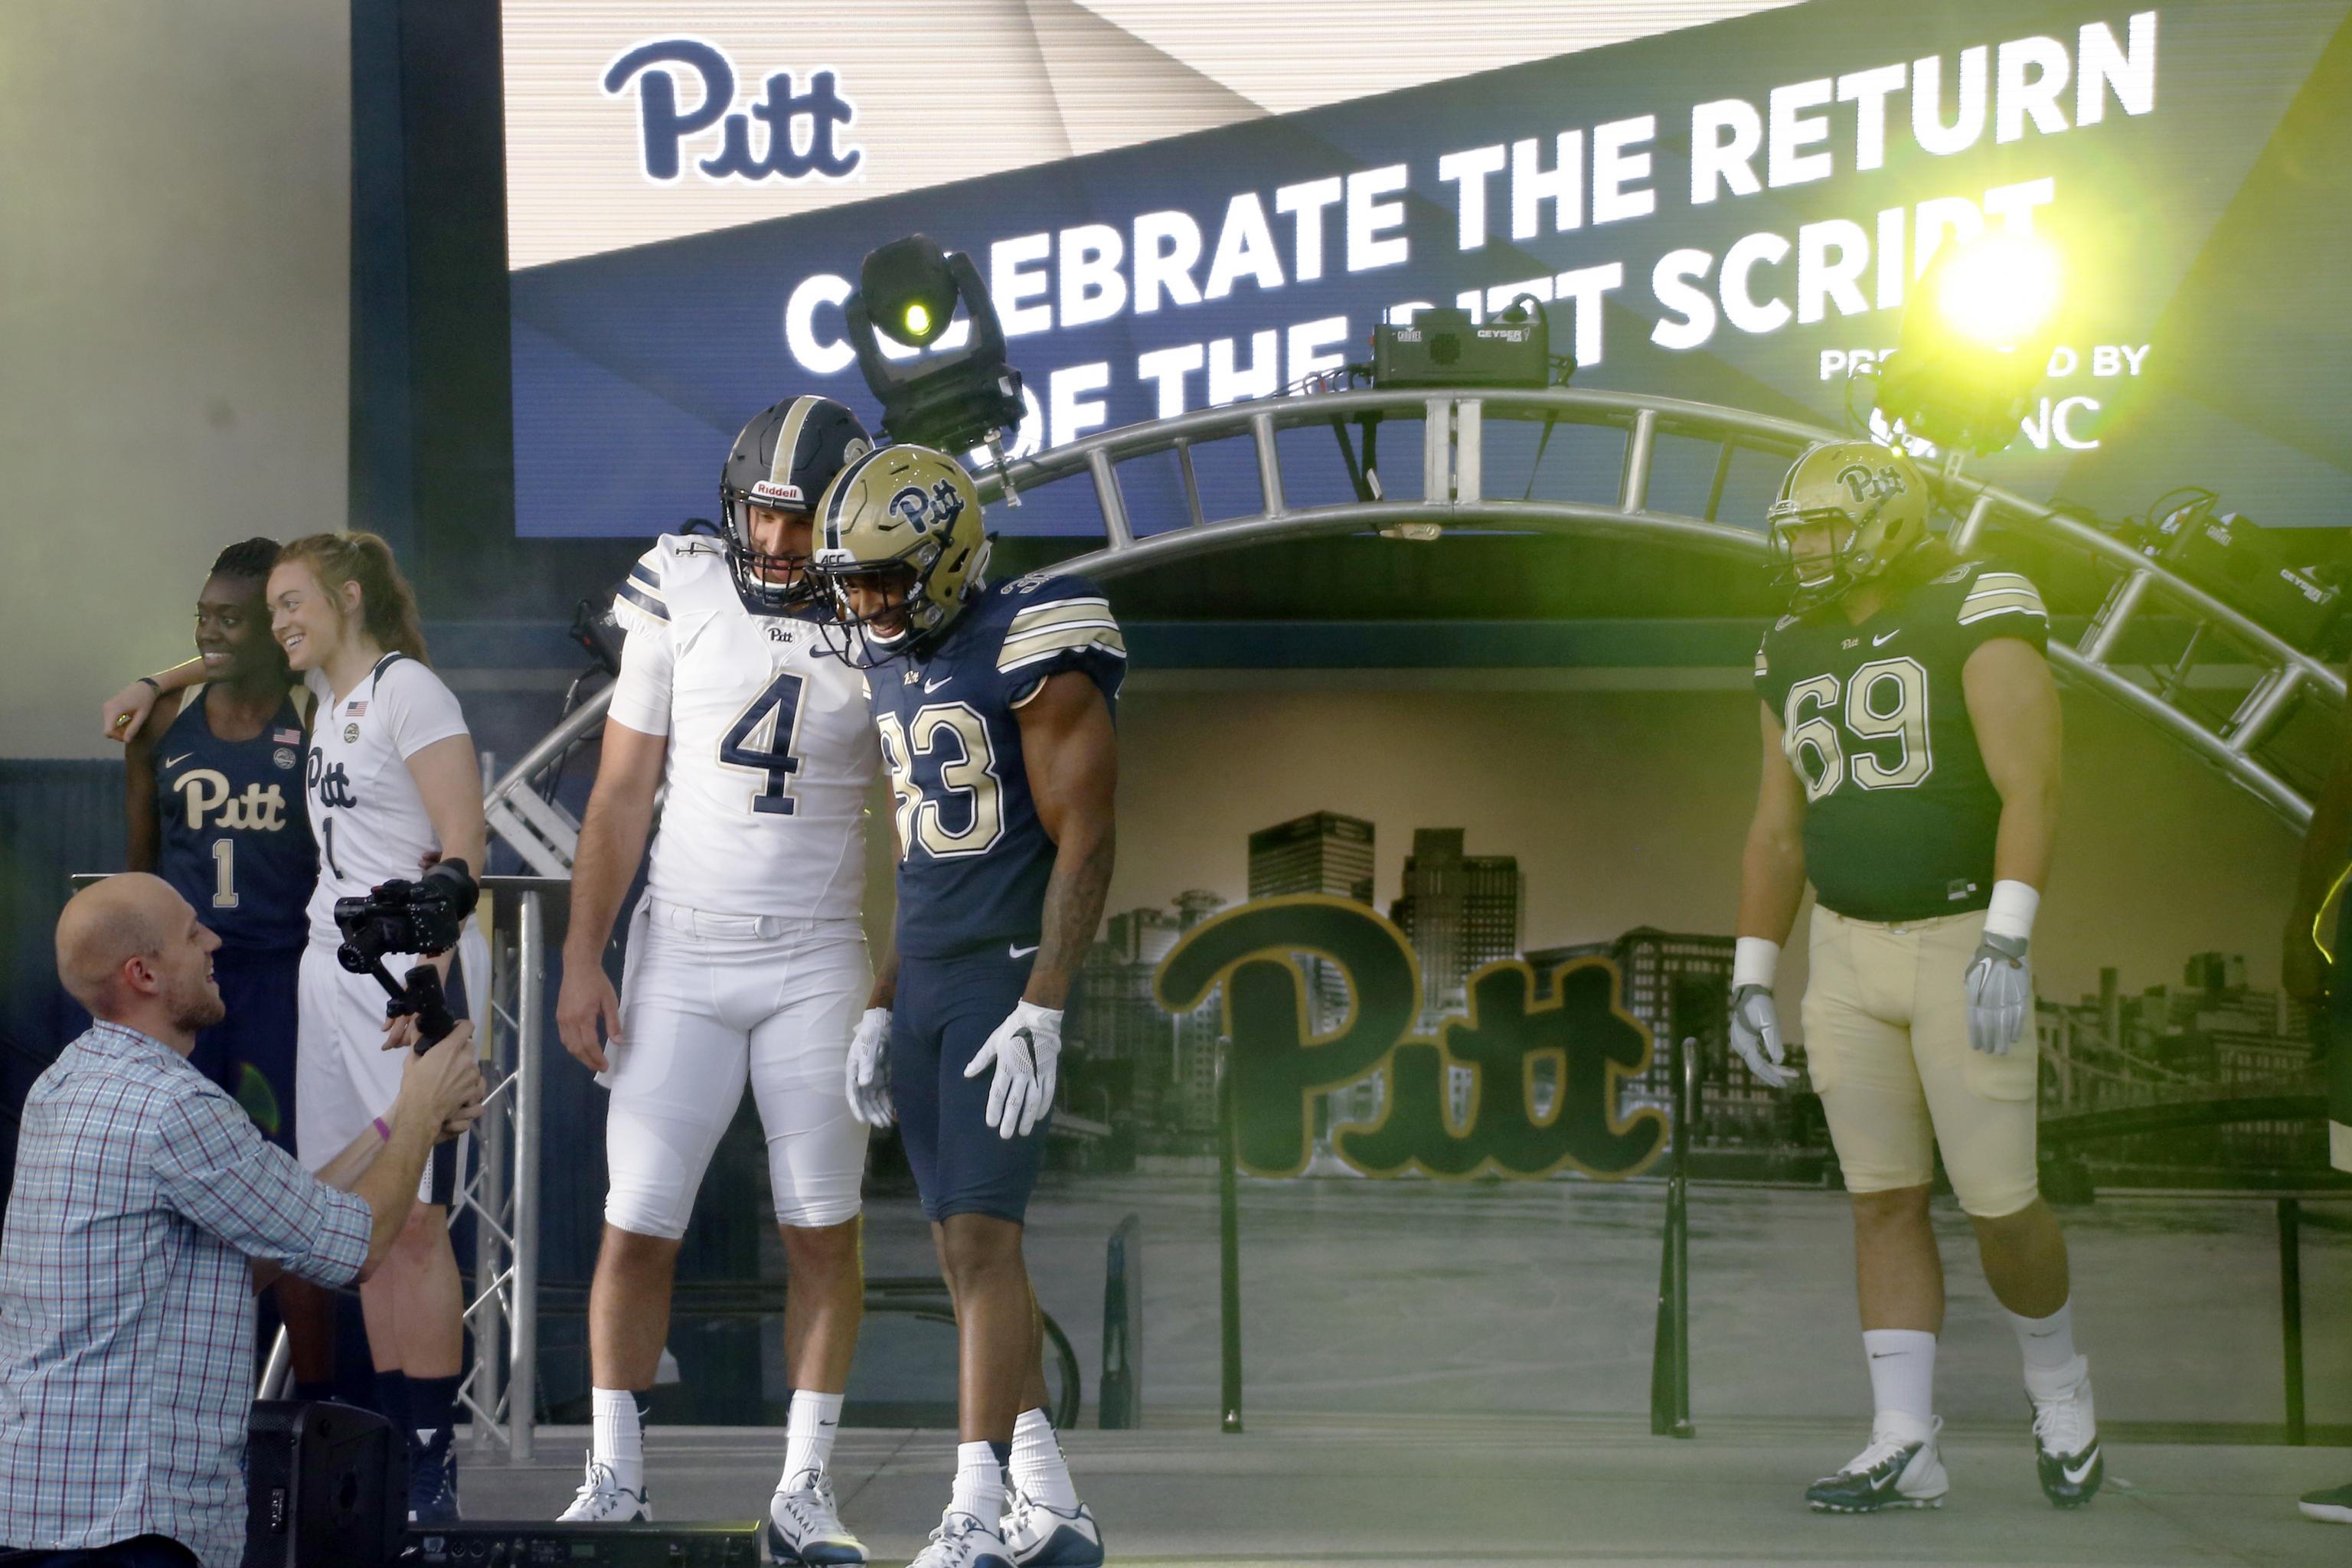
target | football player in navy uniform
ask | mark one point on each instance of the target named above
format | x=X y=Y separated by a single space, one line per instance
x=994 y=705
x=214 y=798
x=1911 y=731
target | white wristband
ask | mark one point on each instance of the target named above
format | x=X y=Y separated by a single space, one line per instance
x=2012 y=911
x=1754 y=962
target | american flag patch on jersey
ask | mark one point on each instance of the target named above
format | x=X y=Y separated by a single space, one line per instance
x=287 y=737
x=355 y=708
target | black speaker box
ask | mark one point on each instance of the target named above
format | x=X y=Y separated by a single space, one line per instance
x=327 y=1487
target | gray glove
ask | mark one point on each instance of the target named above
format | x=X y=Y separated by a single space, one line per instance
x=869 y=1069
x=2000 y=994
x=1756 y=1034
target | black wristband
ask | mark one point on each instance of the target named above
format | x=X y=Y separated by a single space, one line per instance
x=151 y=681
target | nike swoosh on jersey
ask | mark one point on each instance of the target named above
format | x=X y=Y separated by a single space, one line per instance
x=1885 y=638
x=175 y=762
x=1025 y=951
x=931 y=686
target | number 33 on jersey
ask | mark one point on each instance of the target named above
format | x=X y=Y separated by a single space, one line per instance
x=975 y=857
x=772 y=749
x=1900 y=816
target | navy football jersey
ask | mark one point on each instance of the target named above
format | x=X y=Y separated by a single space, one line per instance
x=235 y=837
x=1900 y=816
x=974 y=857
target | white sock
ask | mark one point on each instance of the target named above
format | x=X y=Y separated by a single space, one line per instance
x=1903 y=1373
x=808 y=1434
x=620 y=1438
x=2047 y=1343
x=979 y=1483
x=1038 y=1466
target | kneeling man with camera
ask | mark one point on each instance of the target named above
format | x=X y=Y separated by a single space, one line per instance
x=146 y=1211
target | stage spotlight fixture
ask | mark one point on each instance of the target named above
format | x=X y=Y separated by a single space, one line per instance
x=910 y=290
x=1975 y=341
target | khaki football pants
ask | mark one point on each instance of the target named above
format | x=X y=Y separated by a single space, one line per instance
x=1887 y=1047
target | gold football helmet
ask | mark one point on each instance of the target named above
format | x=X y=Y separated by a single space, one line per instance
x=898 y=531
x=1872 y=502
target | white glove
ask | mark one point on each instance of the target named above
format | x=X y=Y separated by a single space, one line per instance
x=869 y=1069
x=2000 y=992
x=1024 y=1050
x=1756 y=1034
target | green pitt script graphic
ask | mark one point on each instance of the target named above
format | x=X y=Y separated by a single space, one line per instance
x=1513 y=1023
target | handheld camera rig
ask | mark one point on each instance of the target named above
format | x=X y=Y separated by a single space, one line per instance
x=421 y=917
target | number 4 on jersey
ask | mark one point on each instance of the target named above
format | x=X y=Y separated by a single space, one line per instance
x=763 y=738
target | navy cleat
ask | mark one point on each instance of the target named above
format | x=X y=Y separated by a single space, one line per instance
x=2065 y=1434
x=432 y=1481
x=1900 y=1469
x=1042 y=1536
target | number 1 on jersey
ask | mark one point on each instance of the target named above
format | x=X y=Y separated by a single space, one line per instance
x=763 y=740
x=223 y=873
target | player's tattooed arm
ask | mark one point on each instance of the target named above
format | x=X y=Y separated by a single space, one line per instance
x=2013 y=706
x=1071 y=754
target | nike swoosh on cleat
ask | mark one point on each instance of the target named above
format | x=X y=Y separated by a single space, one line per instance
x=2075 y=1477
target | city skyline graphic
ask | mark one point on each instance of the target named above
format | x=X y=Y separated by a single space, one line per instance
x=2208 y=1036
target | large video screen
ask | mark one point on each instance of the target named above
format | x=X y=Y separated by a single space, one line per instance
x=1172 y=215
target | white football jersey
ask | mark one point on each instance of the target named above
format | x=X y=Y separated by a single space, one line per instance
x=772 y=753
x=365 y=810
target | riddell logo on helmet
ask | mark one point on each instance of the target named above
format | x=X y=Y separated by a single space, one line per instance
x=766 y=489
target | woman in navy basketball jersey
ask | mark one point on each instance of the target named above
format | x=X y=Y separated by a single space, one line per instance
x=213 y=795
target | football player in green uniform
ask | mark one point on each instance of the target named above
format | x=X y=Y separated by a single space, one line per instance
x=1911 y=735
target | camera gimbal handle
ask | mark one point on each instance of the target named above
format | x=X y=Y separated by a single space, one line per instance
x=423 y=998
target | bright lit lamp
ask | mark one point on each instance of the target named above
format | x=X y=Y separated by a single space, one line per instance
x=1976 y=338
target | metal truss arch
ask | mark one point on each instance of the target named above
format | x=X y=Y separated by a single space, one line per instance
x=1451 y=468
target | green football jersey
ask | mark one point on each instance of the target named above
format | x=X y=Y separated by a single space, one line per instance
x=1900 y=817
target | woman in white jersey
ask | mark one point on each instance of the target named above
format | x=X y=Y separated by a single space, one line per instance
x=392 y=782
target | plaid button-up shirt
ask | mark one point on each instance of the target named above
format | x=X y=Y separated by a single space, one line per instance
x=126 y=1307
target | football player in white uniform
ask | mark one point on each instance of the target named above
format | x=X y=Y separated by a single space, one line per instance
x=746 y=957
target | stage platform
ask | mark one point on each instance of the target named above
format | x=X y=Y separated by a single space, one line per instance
x=1302 y=1493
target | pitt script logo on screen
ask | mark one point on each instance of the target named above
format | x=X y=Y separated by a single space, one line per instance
x=789 y=116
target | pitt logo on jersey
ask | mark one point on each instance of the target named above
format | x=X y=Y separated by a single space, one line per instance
x=204 y=793
x=334 y=785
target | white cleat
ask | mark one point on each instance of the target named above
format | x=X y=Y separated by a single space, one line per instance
x=2065 y=1434
x=601 y=1500
x=1040 y=1535
x=963 y=1541
x=1899 y=1470
x=804 y=1524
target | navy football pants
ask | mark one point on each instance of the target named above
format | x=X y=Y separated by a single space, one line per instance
x=946 y=1009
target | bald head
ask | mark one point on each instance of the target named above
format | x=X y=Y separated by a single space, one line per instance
x=130 y=950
